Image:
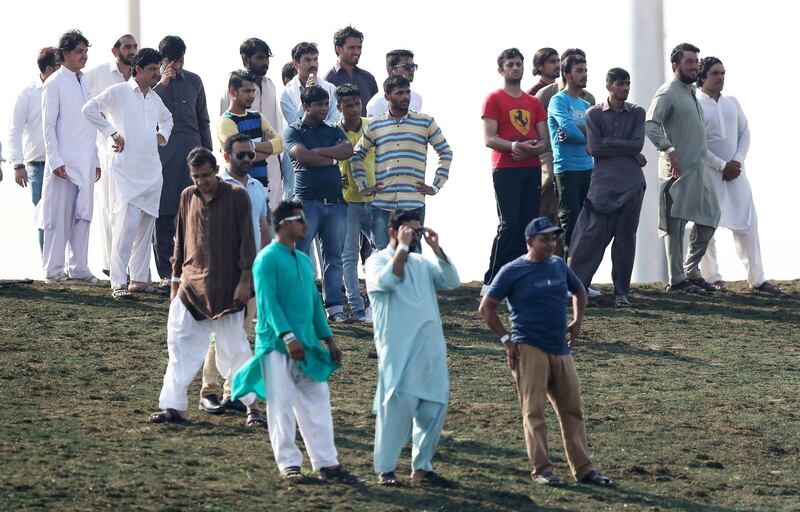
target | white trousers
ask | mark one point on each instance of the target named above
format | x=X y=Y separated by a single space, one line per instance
x=295 y=400
x=187 y=342
x=748 y=249
x=106 y=214
x=130 y=254
x=66 y=241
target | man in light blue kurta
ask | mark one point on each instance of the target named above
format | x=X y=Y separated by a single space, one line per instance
x=413 y=383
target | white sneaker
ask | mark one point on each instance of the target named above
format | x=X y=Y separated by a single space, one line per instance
x=364 y=316
x=60 y=278
x=592 y=293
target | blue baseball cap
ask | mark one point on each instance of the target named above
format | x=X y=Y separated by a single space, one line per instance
x=541 y=225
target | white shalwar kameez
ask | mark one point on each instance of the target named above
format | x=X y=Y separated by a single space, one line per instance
x=65 y=211
x=729 y=139
x=136 y=170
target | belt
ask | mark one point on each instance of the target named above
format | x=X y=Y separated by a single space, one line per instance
x=35 y=163
x=327 y=201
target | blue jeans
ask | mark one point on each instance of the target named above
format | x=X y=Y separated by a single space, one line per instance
x=329 y=222
x=287 y=173
x=35 y=179
x=380 y=227
x=359 y=220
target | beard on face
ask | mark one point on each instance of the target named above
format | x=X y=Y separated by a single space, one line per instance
x=127 y=60
x=687 y=79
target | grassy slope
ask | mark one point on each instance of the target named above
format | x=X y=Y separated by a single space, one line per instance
x=691 y=403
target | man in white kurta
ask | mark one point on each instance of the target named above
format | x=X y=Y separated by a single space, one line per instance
x=137 y=122
x=72 y=167
x=255 y=55
x=728 y=139
x=413 y=383
x=99 y=79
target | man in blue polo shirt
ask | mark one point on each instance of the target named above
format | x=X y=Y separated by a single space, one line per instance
x=566 y=120
x=316 y=148
x=535 y=285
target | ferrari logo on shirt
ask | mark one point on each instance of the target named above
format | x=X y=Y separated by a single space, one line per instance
x=521 y=120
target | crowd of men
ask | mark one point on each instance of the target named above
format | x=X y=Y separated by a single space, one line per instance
x=334 y=170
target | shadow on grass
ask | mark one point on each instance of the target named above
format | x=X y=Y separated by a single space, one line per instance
x=646 y=499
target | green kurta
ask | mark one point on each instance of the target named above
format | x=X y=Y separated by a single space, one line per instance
x=287 y=300
x=675 y=119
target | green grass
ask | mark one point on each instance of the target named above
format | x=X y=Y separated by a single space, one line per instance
x=691 y=404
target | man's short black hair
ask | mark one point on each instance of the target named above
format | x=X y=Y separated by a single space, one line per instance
x=399 y=217
x=253 y=46
x=312 y=94
x=705 y=66
x=119 y=41
x=345 y=90
x=70 y=40
x=342 y=34
x=48 y=57
x=570 y=62
x=393 y=57
x=144 y=57
x=541 y=56
x=303 y=48
x=676 y=56
x=172 y=48
x=233 y=139
x=199 y=156
x=284 y=210
x=239 y=77
x=288 y=71
x=617 y=75
x=510 y=53
x=394 y=82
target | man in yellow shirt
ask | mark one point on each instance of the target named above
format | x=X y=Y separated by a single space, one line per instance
x=359 y=206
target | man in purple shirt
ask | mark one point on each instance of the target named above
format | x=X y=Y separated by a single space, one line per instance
x=347 y=45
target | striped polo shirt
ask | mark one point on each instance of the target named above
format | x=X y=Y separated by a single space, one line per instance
x=254 y=125
x=401 y=149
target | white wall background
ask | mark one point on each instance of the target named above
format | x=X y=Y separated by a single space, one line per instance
x=456 y=49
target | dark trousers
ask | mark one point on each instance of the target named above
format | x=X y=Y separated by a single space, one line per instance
x=572 y=189
x=594 y=231
x=516 y=192
x=164 y=244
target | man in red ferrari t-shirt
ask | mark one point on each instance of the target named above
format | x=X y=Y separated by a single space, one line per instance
x=515 y=128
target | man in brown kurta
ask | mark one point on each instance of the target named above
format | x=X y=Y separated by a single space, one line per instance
x=211 y=284
x=615 y=136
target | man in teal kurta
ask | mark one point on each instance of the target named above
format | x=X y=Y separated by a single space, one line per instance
x=291 y=366
x=675 y=126
x=413 y=384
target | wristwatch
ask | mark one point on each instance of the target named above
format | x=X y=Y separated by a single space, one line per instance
x=504 y=338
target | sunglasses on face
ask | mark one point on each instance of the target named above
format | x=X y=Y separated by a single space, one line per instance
x=408 y=67
x=420 y=232
x=299 y=218
x=241 y=154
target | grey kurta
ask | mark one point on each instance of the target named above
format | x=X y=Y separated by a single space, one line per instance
x=185 y=98
x=675 y=119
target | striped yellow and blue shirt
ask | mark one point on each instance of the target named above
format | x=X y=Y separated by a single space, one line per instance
x=401 y=149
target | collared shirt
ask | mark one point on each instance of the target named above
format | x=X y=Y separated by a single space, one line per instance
x=566 y=114
x=614 y=138
x=401 y=152
x=728 y=137
x=379 y=105
x=367 y=86
x=259 y=202
x=292 y=107
x=185 y=97
x=104 y=76
x=412 y=355
x=213 y=245
x=69 y=138
x=25 y=134
x=351 y=192
x=138 y=117
x=541 y=84
x=315 y=183
x=287 y=300
x=675 y=119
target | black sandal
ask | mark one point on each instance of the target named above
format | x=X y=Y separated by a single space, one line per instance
x=292 y=474
x=255 y=420
x=167 y=416
x=388 y=479
x=548 y=478
x=595 y=477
